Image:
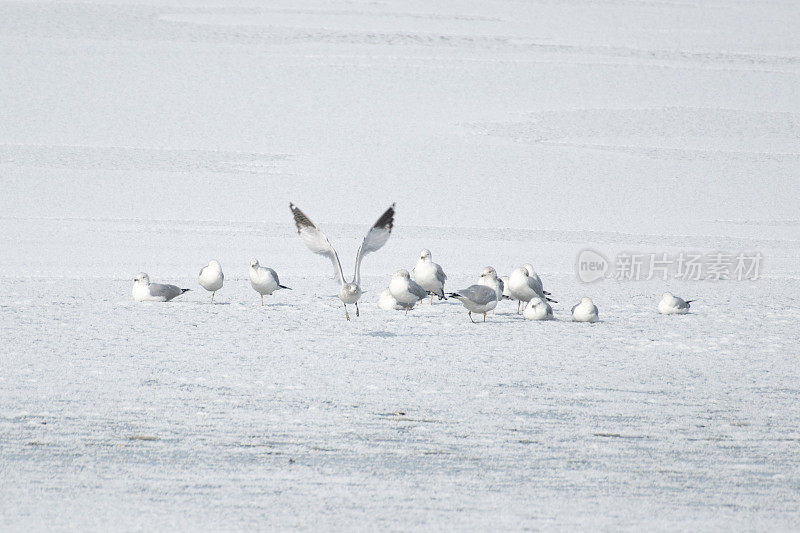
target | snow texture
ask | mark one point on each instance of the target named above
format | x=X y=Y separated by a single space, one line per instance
x=137 y=136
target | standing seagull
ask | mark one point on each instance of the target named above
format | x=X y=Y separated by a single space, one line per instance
x=317 y=242
x=429 y=275
x=477 y=299
x=489 y=279
x=264 y=280
x=405 y=290
x=672 y=305
x=211 y=278
x=584 y=311
x=144 y=291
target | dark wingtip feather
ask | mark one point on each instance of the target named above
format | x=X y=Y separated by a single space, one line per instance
x=185 y=290
x=386 y=220
x=284 y=287
x=300 y=218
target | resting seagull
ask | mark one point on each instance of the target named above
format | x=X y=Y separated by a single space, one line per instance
x=144 y=291
x=405 y=290
x=317 y=242
x=264 y=280
x=538 y=309
x=477 y=299
x=584 y=311
x=211 y=278
x=429 y=275
x=672 y=305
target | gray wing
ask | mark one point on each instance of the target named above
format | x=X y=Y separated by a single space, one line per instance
x=573 y=308
x=316 y=241
x=682 y=304
x=440 y=275
x=168 y=292
x=479 y=294
x=415 y=289
x=201 y=271
x=376 y=237
x=273 y=274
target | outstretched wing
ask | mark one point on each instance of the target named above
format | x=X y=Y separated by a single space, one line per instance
x=376 y=237
x=316 y=241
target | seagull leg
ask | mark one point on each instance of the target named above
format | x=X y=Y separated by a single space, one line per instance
x=212 y=296
x=406 y=311
x=262 y=299
x=346 y=313
x=484 y=317
x=470 y=316
x=431 y=298
x=357 y=309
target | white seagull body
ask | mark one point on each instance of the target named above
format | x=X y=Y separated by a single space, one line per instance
x=489 y=279
x=429 y=275
x=317 y=242
x=538 y=309
x=264 y=280
x=523 y=287
x=144 y=291
x=405 y=290
x=388 y=303
x=672 y=305
x=506 y=290
x=211 y=278
x=585 y=311
x=477 y=299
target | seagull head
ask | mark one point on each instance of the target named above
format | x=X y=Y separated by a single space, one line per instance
x=425 y=255
x=489 y=272
x=667 y=295
x=214 y=264
x=402 y=273
x=586 y=300
x=141 y=277
x=536 y=301
x=254 y=263
x=530 y=269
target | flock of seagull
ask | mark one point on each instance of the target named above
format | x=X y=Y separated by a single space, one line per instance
x=404 y=291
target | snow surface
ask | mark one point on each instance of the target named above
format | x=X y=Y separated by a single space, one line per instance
x=145 y=137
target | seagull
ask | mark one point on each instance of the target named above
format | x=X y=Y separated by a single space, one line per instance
x=211 y=278
x=144 y=291
x=388 y=303
x=584 y=311
x=405 y=290
x=430 y=275
x=264 y=280
x=672 y=305
x=523 y=287
x=538 y=309
x=317 y=242
x=537 y=281
x=477 y=299
x=489 y=279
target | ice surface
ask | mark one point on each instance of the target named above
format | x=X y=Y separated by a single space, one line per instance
x=138 y=137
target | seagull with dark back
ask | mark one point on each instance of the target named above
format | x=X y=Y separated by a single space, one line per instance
x=317 y=242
